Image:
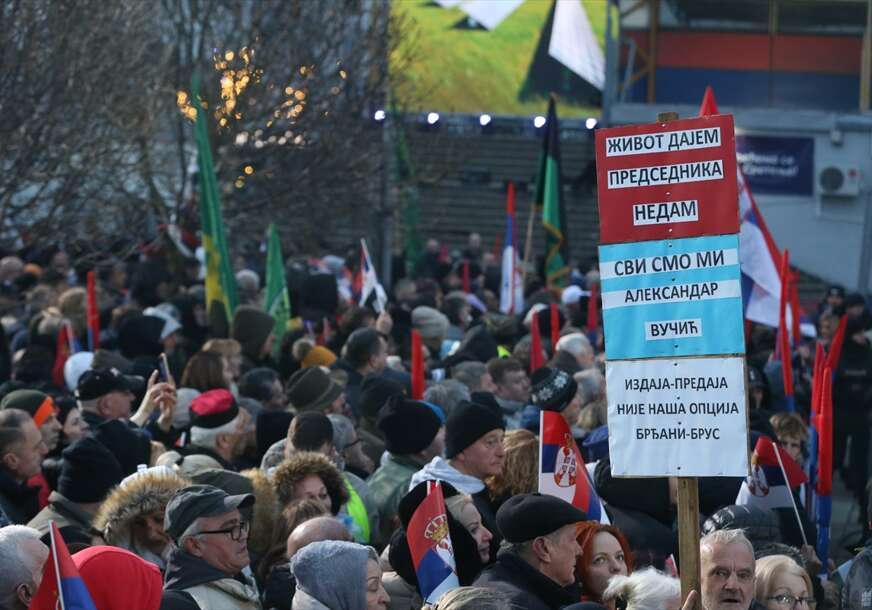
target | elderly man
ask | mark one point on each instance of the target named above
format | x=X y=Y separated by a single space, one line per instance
x=218 y=427
x=22 y=557
x=540 y=550
x=41 y=408
x=474 y=451
x=211 y=551
x=22 y=448
x=727 y=571
x=106 y=394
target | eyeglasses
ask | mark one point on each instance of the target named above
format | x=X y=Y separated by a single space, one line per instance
x=237 y=532
x=789 y=601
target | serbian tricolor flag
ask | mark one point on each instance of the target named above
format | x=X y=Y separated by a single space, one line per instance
x=759 y=260
x=430 y=546
x=823 y=423
x=61 y=587
x=93 y=314
x=370 y=284
x=511 y=286
x=773 y=474
x=783 y=344
x=562 y=472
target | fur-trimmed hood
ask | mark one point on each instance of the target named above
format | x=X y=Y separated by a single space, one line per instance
x=140 y=496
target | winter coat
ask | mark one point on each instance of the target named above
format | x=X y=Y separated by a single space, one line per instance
x=310 y=565
x=73 y=522
x=857 y=589
x=403 y=595
x=18 y=501
x=209 y=587
x=387 y=486
x=525 y=586
x=132 y=500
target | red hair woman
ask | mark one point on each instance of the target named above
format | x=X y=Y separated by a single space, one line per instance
x=605 y=553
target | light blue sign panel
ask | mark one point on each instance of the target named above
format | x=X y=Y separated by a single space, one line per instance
x=678 y=297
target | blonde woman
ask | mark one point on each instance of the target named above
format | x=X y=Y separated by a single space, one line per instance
x=520 y=467
x=782 y=584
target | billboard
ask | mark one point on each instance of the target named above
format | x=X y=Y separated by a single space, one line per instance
x=500 y=56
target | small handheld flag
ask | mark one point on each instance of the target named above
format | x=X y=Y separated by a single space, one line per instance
x=593 y=308
x=562 y=472
x=555 y=327
x=772 y=477
x=430 y=546
x=784 y=349
x=835 y=352
x=61 y=588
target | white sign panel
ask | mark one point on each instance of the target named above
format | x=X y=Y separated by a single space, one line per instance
x=678 y=417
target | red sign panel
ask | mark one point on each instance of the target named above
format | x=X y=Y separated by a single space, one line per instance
x=665 y=180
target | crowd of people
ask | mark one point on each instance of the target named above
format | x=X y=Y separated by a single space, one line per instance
x=189 y=468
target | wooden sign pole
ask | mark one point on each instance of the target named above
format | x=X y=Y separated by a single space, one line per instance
x=688 y=504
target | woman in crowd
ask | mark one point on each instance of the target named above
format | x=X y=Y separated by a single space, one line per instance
x=207 y=371
x=782 y=584
x=461 y=508
x=360 y=588
x=520 y=470
x=310 y=475
x=605 y=553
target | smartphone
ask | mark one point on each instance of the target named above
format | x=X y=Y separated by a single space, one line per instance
x=163 y=369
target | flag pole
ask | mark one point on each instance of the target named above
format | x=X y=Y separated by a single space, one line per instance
x=790 y=492
x=57 y=567
x=528 y=246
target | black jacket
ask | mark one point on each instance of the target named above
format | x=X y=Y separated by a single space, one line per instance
x=18 y=501
x=525 y=586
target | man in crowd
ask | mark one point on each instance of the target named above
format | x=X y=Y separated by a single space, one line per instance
x=21 y=451
x=538 y=563
x=22 y=557
x=512 y=387
x=89 y=471
x=366 y=352
x=473 y=452
x=218 y=427
x=211 y=552
x=265 y=386
x=727 y=571
x=41 y=408
x=474 y=375
x=414 y=435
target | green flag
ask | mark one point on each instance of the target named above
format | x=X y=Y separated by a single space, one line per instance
x=549 y=197
x=220 y=282
x=277 y=303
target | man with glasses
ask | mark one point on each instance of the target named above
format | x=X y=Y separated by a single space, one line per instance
x=206 y=569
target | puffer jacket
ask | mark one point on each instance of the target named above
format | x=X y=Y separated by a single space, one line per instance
x=139 y=496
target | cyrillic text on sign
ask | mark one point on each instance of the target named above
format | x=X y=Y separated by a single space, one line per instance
x=665 y=213
x=672 y=141
x=656 y=175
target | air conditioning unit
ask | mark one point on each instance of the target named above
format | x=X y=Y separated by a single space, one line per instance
x=836 y=179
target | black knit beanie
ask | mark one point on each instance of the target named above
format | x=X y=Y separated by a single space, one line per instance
x=467 y=423
x=89 y=471
x=552 y=389
x=408 y=426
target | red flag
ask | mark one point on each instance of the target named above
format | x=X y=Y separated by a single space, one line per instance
x=783 y=333
x=795 y=310
x=817 y=378
x=555 y=327
x=62 y=352
x=825 y=436
x=417 y=366
x=709 y=106
x=593 y=308
x=61 y=586
x=836 y=345
x=467 y=284
x=498 y=243
x=536 y=359
x=93 y=314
